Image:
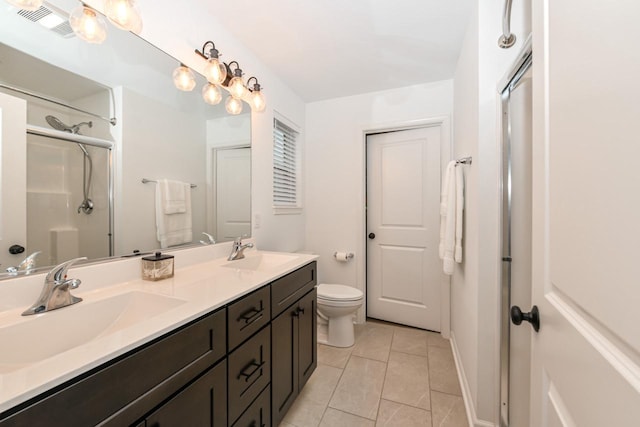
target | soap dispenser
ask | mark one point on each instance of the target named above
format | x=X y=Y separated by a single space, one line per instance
x=157 y=267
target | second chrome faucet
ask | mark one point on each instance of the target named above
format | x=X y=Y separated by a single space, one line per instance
x=237 y=250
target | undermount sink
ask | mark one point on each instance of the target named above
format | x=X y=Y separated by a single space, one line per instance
x=263 y=261
x=60 y=330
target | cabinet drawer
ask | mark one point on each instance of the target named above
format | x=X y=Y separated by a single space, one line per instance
x=202 y=403
x=288 y=289
x=141 y=376
x=249 y=372
x=259 y=413
x=247 y=316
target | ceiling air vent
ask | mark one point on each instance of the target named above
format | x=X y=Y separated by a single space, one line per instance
x=50 y=18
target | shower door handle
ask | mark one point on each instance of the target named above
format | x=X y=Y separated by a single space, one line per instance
x=533 y=317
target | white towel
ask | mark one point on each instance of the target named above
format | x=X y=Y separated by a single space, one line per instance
x=451 y=209
x=444 y=200
x=174 y=228
x=173 y=194
x=459 y=209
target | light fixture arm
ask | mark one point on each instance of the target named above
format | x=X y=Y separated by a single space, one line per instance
x=238 y=71
x=213 y=52
x=256 y=85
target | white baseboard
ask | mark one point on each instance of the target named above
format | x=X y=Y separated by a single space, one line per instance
x=472 y=418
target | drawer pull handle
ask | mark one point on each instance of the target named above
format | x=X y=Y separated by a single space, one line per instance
x=251 y=315
x=298 y=311
x=256 y=367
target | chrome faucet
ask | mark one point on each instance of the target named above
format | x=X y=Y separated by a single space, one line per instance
x=210 y=240
x=237 y=251
x=27 y=265
x=56 y=292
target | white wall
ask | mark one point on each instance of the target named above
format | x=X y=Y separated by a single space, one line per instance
x=475 y=284
x=181 y=159
x=335 y=167
x=180 y=30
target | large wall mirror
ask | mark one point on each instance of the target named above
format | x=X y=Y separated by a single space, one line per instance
x=72 y=182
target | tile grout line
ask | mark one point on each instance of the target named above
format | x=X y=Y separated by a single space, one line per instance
x=334 y=389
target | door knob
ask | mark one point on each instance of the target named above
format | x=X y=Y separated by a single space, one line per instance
x=372 y=236
x=533 y=317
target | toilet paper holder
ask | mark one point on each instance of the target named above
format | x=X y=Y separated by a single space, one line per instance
x=347 y=255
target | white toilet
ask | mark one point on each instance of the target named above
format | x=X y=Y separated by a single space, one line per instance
x=337 y=305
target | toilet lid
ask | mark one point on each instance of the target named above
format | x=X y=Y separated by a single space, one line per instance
x=338 y=292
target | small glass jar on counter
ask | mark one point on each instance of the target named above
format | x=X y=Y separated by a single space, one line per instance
x=157 y=267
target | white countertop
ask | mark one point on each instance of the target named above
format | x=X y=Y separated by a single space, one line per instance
x=203 y=287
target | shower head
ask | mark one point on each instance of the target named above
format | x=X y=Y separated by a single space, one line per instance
x=55 y=123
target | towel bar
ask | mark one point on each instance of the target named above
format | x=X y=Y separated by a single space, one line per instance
x=145 y=180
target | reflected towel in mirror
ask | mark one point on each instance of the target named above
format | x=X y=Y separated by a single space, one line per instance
x=173 y=194
x=173 y=228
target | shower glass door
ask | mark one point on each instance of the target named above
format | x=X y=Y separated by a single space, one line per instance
x=515 y=342
x=64 y=178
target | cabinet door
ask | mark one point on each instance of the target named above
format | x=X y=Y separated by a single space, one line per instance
x=203 y=403
x=307 y=338
x=284 y=379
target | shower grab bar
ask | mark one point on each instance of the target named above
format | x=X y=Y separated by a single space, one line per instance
x=507 y=39
x=69 y=137
x=145 y=181
x=464 y=161
x=111 y=120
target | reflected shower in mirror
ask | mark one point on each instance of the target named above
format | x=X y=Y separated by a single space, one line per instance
x=94 y=168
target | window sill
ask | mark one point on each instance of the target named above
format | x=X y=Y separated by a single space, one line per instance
x=282 y=210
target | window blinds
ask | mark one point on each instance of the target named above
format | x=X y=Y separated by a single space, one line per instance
x=285 y=179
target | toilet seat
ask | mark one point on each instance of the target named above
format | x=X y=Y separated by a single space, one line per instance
x=338 y=293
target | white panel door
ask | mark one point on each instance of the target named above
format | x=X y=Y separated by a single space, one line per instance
x=403 y=212
x=13 y=178
x=233 y=193
x=586 y=213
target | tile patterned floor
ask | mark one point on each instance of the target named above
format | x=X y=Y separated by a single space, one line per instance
x=392 y=376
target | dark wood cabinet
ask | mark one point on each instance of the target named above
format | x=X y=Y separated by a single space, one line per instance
x=259 y=413
x=249 y=372
x=202 y=403
x=294 y=353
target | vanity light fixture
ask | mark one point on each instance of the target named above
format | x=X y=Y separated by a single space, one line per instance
x=30 y=5
x=256 y=97
x=233 y=105
x=236 y=86
x=183 y=78
x=124 y=14
x=88 y=25
x=228 y=76
x=215 y=71
x=211 y=94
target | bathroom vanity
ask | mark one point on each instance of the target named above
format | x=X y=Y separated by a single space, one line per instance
x=241 y=362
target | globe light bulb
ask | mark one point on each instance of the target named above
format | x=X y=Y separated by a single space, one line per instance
x=26 y=4
x=88 y=25
x=233 y=105
x=237 y=88
x=257 y=101
x=211 y=94
x=183 y=78
x=124 y=14
x=215 y=71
